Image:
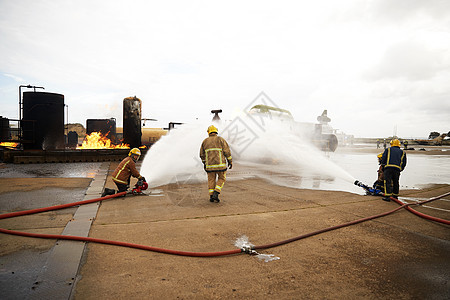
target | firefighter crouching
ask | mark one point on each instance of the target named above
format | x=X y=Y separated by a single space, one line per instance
x=215 y=155
x=394 y=161
x=379 y=183
x=122 y=174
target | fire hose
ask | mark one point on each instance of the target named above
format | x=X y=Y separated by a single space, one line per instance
x=249 y=249
x=422 y=215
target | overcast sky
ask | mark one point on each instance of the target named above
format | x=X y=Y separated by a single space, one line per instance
x=378 y=67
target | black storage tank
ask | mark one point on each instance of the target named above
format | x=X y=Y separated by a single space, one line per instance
x=132 y=121
x=107 y=127
x=5 y=134
x=43 y=120
x=72 y=139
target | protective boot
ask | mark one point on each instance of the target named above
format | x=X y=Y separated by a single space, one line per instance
x=215 y=196
x=108 y=192
x=211 y=199
x=387 y=199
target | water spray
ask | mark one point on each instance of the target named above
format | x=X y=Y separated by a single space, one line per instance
x=247 y=247
x=369 y=191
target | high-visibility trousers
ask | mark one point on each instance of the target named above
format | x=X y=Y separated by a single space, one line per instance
x=216 y=185
x=391 y=181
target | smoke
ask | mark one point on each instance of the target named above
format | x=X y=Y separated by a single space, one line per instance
x=271 y=148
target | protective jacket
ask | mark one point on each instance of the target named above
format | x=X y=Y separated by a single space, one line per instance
x=125 y=170
x=394 y=157
x=215 y=153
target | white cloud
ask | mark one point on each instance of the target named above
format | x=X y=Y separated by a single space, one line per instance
x=410 y=60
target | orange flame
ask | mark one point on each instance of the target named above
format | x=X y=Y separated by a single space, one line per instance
x=95 y=140
x=9 y=144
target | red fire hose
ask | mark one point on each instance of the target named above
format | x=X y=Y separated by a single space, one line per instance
x=118 y=243
x=56 y=207
x=422 y=215
x=194 y=254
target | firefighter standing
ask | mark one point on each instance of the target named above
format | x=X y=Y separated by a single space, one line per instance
x=394 y=161
x=405 y=143
x=122 y=174
x=215 y=153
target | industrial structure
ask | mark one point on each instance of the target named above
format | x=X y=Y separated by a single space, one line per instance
x=39 y=135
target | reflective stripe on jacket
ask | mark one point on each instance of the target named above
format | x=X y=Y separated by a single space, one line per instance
x=125 y=170
x=394 y=157
x=215 y=153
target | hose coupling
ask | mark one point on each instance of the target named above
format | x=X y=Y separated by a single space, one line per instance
x=249 y=250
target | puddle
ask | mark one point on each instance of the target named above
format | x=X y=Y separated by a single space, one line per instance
x=15 y=201
x=154 y=193
x=62 y=170
x=421 y=170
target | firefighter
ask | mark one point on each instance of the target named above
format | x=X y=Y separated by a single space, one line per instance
x=215 y=154
x=122 y=174
x=379 y=183
x=394 y=161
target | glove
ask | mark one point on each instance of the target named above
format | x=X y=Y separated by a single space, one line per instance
x=143 y=179
x=230 y=165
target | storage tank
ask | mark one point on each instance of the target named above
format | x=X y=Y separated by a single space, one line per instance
x=43 y=120
x=152 y=135
x=4 y=129
x=107 y=127
x=72 y=139
x=132 y=121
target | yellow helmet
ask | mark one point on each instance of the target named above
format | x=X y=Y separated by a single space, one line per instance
x=395 y=143
x=212 y=129
x=134 y=151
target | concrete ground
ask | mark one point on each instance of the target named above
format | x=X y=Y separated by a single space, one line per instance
x=397 y=256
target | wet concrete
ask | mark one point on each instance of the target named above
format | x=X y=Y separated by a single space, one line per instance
x=15 y=201
x=23 y=259
x=49 y=170
x=18 y=272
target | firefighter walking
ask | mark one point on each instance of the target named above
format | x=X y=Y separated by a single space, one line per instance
x=215 y=155
x=394 y=161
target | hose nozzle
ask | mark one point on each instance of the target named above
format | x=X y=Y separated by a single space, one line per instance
x=369 y=190
x=359 y=183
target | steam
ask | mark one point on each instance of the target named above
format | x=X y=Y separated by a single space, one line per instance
x=274 y=149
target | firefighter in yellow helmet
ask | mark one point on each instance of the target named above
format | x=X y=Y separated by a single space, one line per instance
x=394 y=161
x=122 y=174
x=215 y=155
